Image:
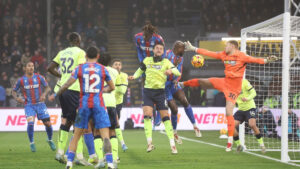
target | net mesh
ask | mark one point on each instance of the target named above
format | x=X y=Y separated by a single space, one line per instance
x=267 y=81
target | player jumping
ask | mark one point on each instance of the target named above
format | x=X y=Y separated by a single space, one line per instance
x=174 y=90
x=31 y=85
x=91 y=77
x=121 y=87
x=145 y=42
x=247 y=112
x=156 y=69
x=235 y=63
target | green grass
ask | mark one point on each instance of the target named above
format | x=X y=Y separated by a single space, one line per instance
x=15 y=153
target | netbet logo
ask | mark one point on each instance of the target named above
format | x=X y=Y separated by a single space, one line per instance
x=158 y=67
x=31 y=86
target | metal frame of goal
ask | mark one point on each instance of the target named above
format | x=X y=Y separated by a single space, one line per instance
x=285 y=28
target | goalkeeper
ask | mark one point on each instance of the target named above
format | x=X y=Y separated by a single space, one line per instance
x=235 y=63
x=247 y=112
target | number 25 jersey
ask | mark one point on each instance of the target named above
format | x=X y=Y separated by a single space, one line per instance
x=91 y=78
x=68 y=59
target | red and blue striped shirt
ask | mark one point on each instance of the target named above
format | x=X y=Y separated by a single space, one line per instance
x=31 y=88
x=175 y=60
x=91 y=79
x=145 y=48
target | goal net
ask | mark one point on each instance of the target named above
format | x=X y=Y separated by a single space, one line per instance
x=262 y=40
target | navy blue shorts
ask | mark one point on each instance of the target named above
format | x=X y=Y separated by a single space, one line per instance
x=155 y=96
x=242 y=116
x=69 y=102
x=112 y=113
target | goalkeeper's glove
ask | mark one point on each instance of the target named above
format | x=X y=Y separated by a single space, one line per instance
x=189 y=46
x=271 y=58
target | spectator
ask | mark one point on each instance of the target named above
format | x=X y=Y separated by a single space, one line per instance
x=266 y=122
x=2 y=96
x=219 y=100
x=292 y=125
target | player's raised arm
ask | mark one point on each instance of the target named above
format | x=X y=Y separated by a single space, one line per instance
x=251 y=59
x=190 y=47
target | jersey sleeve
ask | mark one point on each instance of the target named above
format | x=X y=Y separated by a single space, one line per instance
x=175 y=71
x=160 y=39
x=75 y=73
x=250 y=59
x=107 y=76
x=43 y=81
x=17 y=85
x=216 y=55
x=139 y=50
x=57 y=58
x=250 y=89
x=179 y=67
x=81 y=57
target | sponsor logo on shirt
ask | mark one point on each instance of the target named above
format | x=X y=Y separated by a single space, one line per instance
x=230 y=62
x=158 y=67
x=31 y=86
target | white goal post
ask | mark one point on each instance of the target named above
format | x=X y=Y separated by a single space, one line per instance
x=278 y=36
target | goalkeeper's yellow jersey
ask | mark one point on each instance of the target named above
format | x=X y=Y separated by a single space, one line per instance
x=249 y=93
x=68 y=59
x=121 y=87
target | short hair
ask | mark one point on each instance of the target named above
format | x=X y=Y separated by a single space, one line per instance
x=25 y=65
x=73 y=37
x=159 y=43
x=234 y=43
x=92 y=52
x=105 y=59
x=116 y=60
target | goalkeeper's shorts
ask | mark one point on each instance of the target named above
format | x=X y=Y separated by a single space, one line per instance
x=231 y=87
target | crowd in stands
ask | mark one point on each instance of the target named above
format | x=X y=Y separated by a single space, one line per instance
x=215 y=15
x=23 y=32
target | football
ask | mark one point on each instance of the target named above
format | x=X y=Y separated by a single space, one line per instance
x=197 y=61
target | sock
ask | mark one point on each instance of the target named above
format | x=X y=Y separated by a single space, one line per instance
x=62 y=139
x=192 y=83
x=119 y=135
x=168 y=127
x=109 y=158
x=230 y=125
x=174 y=121
x=148 y=128
x=114 y=147
x=79 y=150
x=259 y=139
x=30 y=131
x=98 y=146
x=71 y=156
x=89 y=141
x=49 y=131
x=237 y=140
x=189 y=112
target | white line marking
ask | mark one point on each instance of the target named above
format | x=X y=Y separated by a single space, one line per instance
x=220 y=146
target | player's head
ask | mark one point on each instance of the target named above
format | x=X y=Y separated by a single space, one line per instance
x=158 y=49
x=117 y=64
x=74 y=39
x=231 y=46
x=105 y=59
x=148 y=30
x=92 y=52
x=178 y=48
x=29 y=68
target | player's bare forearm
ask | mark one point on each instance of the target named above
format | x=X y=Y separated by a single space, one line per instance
x=66 y=85
x=14 y=95
x=52 y=69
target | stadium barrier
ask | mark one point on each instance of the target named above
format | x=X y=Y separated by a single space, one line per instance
x=209 y=118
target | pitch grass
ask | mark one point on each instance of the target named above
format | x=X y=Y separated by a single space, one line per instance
x=15 y=153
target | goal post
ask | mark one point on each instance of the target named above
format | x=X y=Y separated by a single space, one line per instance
x=277 y=84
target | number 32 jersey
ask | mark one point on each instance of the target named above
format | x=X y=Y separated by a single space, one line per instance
x=91 y=78
x=68 y=59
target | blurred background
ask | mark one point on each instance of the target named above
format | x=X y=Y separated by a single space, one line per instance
x=36 y=30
